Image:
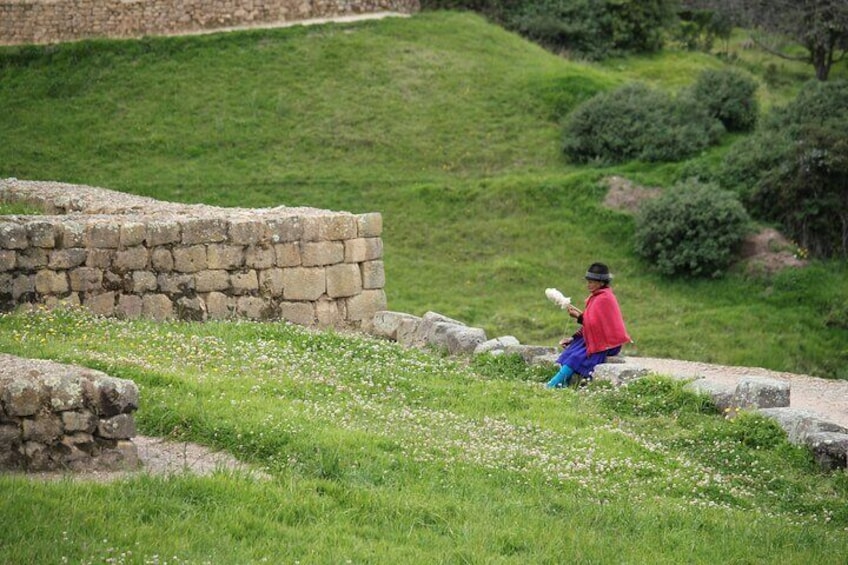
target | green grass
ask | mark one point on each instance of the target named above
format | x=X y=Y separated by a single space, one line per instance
x=382 y=455
x=448 y=126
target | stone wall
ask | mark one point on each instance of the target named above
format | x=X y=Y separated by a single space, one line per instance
x=52 y=21
x=129 y=256
x=56 y=417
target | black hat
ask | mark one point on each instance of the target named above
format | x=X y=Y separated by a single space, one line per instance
x=598 y=272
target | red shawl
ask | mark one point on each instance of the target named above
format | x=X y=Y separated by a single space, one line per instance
x=603 y=326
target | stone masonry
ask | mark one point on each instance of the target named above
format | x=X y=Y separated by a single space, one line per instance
x=53 y=21
x=129 y=256
x=57 y=417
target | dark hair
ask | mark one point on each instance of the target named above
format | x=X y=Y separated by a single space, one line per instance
x=599 y=272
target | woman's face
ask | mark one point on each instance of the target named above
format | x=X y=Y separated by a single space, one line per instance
x=593 y=285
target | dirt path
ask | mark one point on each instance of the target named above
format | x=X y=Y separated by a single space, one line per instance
x=829 y=398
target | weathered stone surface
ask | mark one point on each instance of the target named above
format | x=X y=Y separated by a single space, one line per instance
x=464 y=340
x=219 y=306
x=363 y=249
x=244 y=283
x=175 y=283
x=129 y=306
x=32 y=258
x=41 y=234
x=100 y=304
x=373 y=275
x=329 y=313
x=255 y=308
x=285 y=229
x=301 y=313
x=99 y=258
x=204 y=230
x=343 y=280
x=157 y=307
x=227 y=257
x=830 y=449
x=85 y=279
x=143 y=281
x=190 y=308
x=102 y=233
x=302 y=283
x=22 y=286
x=51 y=282
x=363 y=306
x=496 y=345
x=190 y=259
x=43 y=428
x=386 y=323
x=22 y=395
x=619 y=373
x=7 y=259
x=329 y=227
x=320 y=253
x=722 y=395
x=370 y=224
x=66 y=258
x=260 y=257
x=271 y=282
x=208 y=281
x=760 y=392
x=10 y=438
x=79 y=421
x=408 y=331
x=162 y=232
x=161 y=260
x=132 y=234
x=532 y=354
x=799 y=423
x=246 y=231
x=121 y=426
x=287 y=254
x=13 y=236
x=131 y=259
x=109 y=396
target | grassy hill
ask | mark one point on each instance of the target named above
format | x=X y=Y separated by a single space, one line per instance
x=447 y=125
x=377 y=454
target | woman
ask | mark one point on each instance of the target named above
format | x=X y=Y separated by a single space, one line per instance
x=602 y=331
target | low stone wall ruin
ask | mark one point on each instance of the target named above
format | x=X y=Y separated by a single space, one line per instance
x=53 y=21
x=62 y=417
x=128 y=256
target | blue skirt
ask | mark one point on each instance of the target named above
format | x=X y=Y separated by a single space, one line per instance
x=584 y=365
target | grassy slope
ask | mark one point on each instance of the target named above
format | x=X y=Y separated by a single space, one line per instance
x=445 y=124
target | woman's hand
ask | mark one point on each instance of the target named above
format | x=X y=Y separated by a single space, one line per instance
x=564 y=342
x=573 y=312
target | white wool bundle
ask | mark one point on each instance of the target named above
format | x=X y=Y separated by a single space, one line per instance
x=557 y=298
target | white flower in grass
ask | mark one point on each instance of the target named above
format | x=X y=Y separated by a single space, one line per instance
x=558 y=298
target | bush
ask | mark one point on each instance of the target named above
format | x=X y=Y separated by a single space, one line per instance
x=636 y=122
x=794 y=169
x=591 y=29
x=728 y=95
x=692 y=229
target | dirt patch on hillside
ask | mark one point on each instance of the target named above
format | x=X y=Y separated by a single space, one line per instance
x=625 y=196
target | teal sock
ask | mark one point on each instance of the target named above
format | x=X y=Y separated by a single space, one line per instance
x=564 y=374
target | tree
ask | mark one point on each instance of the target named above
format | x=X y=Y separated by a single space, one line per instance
x=820 y=27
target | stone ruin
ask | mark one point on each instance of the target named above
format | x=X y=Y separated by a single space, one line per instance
x=61 y=417
x=128 y=256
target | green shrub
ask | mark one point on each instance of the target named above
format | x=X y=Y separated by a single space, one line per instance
x=728 y=95
x=595 y=29
x=794 y=169
x=692 y=229
x=591 y=29
x=637 y=122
